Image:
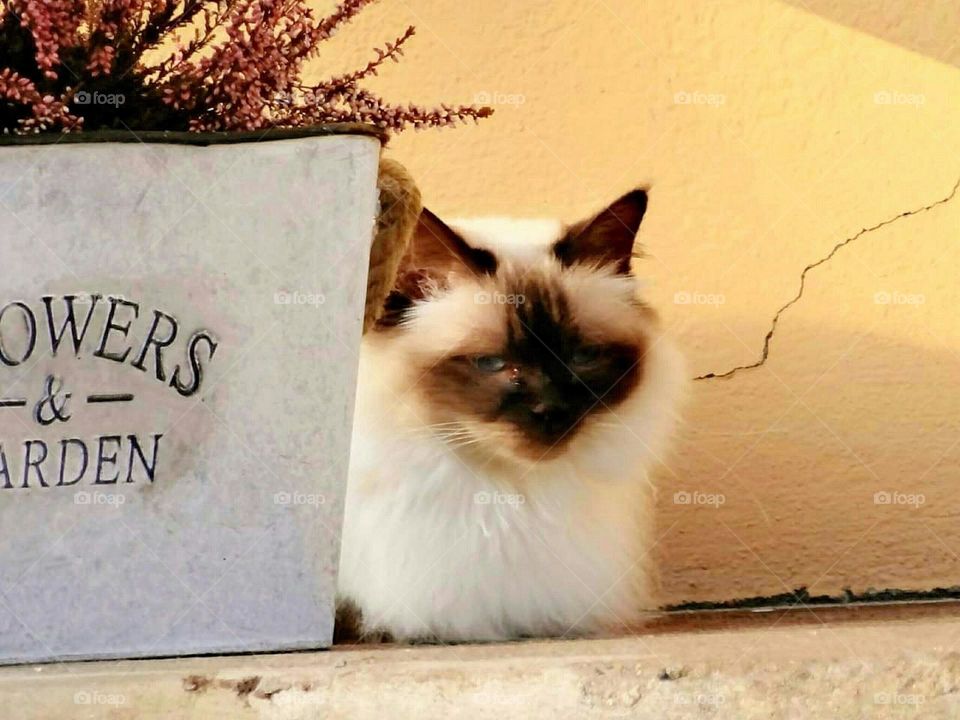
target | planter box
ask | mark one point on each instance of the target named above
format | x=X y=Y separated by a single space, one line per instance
x=180 y=318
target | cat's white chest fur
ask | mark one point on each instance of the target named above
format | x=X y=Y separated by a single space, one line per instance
x=433 y=548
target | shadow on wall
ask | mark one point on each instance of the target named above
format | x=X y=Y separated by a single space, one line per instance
x=850 y=484
x=927 y=27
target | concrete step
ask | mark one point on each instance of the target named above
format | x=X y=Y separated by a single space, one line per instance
x=815 y=662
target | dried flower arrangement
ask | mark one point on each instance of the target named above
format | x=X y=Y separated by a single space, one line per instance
x=69 y=65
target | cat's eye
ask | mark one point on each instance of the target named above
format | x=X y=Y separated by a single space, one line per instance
x=489 y=363
x=587 y=355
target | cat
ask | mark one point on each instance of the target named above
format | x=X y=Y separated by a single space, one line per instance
x=511 y=403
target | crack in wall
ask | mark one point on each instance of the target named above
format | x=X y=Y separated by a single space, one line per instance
x=765 y=351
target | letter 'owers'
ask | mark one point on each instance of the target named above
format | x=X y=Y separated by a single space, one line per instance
x=64 y=326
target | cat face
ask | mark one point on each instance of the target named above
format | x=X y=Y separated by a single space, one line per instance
x=514 y=339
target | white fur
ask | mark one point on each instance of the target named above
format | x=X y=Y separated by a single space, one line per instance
x=523 y=240
x=438 y=544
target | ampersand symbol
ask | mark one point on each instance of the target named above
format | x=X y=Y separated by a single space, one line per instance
x=53 y=401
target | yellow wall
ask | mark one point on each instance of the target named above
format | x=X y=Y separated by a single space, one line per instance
x=804 y=126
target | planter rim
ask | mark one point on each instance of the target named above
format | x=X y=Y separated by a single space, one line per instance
x=201 y=139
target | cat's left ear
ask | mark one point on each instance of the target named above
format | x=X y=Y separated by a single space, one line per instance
x=607 y=238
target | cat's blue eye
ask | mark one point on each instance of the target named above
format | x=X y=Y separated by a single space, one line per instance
x=489 y=363
x=587 y=355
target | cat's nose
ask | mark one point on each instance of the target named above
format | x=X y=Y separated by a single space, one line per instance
x=551 y=419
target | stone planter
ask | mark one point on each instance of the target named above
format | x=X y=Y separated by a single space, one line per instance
x=179 y=323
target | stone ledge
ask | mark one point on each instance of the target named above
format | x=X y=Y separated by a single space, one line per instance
x=876 y=662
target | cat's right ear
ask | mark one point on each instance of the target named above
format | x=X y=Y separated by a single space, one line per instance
x=439 y=251
x=436 y=254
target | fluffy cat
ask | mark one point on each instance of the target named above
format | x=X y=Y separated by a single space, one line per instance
x=510 y=405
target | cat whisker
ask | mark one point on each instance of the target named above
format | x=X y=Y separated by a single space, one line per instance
x=450 y=440
x=453 y=431
x=440 y=432
x=476 y=439
x=451 y=423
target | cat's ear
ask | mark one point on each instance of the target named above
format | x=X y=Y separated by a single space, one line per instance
x=435 y=253
x=438 y=251
x=607 y=238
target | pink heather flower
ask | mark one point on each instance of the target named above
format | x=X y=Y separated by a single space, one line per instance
x=101 y=60
x=47 y=112
x=53 y=24
x=240 y=69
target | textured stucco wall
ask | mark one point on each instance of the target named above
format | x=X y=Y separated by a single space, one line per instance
x=770 y=133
